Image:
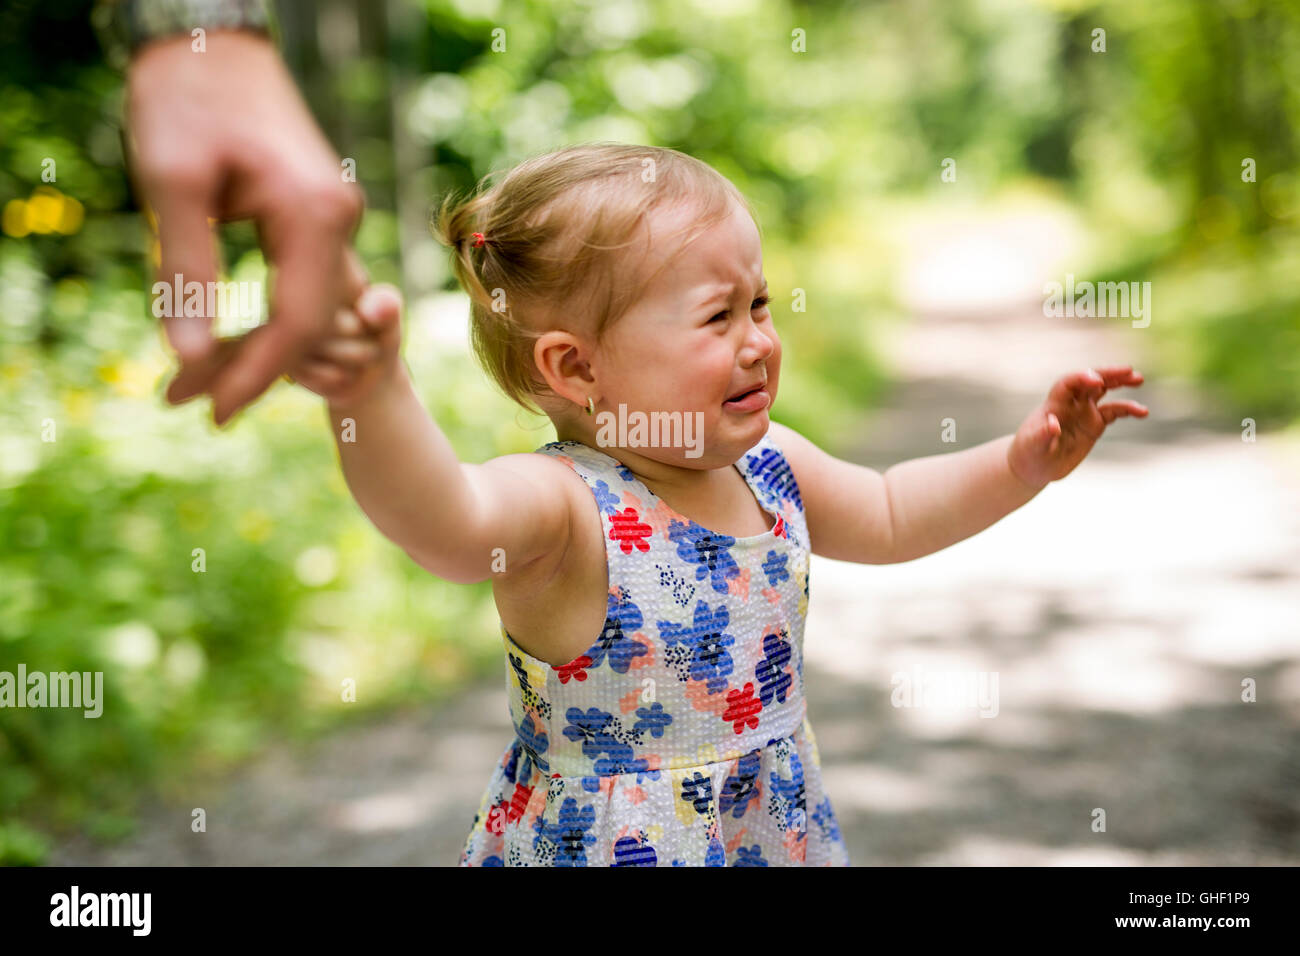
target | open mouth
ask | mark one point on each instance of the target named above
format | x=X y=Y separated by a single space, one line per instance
x=749 y=400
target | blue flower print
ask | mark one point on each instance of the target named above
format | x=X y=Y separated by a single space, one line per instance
x=628 y=851
x=588 y=725
x=569 y=833
x=535 y=743
x=771 y=470
x=606 y=500
x=708 y=551
x=619 y=760
x=716 y=856
x=824 y=816
x=791 y=791
x=708 y=642
x=774 y=566
x=740 y=791
x=750 y=856
x=598 y=731
x=653 y=719
x=697 y=790
x=773 y=679
x=622 y=619
x=512 y=763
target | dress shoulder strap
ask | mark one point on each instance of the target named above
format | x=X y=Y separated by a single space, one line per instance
x=774 y=481
x=628 y=520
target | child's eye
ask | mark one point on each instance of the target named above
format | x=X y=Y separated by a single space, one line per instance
x=759 y=303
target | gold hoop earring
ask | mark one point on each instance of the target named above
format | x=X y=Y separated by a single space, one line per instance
x=591 y=406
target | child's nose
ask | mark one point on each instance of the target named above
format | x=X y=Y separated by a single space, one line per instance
x=759 y=343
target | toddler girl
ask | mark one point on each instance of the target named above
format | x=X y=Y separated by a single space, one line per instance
x=651 y=576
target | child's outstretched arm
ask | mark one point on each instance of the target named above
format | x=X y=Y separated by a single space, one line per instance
x=462 y=522
x=926 y=504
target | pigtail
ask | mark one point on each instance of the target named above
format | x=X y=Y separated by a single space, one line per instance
x=482 y=264
x=454 y=225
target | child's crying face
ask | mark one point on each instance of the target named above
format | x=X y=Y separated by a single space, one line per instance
x=700 y=337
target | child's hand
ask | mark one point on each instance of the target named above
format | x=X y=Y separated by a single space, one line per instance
x=362 y=350
x=1058 y=434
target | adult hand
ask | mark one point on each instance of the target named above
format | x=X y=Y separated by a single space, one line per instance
x=224 y=134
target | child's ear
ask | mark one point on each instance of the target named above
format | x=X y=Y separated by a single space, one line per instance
x=561 y=359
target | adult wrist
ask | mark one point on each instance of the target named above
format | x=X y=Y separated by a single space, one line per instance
x=126 y=26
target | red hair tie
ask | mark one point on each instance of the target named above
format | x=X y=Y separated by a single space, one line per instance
x=479 y=239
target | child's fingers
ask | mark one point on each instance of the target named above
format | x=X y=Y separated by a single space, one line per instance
x=1113 y=410
x=379 y=306
x=347 y=324
x=1117 y=375
x=321 y=376
x=353 y=353
x=1076 y=385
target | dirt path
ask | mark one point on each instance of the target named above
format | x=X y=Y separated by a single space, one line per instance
x=1120 y=610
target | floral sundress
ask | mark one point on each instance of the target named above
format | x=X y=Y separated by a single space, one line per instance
x=680 y=737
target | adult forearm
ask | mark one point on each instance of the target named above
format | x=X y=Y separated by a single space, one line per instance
x=942 y=499
x=406 y=476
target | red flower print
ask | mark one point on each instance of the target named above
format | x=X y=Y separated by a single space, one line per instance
x=736 y=840
x=739 y=585
x=796 y=844
x=629 y=530
x=519 y=802
x=742 y=708
x=778 y=529
x=498 y=817
x=575 y=668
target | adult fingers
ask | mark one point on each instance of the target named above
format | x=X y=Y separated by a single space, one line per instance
x=309 y=243
x=355 y=278
x=180 y=201
x=194 y=377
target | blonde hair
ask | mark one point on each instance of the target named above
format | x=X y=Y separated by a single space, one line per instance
x=553 y=229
